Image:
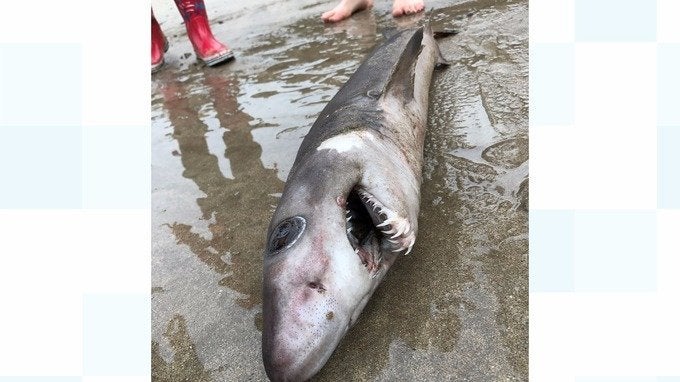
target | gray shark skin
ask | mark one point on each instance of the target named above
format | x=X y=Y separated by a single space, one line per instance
x=349 y=207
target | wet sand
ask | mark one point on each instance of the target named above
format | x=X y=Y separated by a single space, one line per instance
x=224 y=139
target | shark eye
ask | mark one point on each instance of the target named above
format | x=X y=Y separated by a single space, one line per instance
x=286 y=233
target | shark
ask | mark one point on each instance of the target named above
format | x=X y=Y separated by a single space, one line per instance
x=350 y=205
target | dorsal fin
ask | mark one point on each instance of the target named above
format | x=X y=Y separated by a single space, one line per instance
x=441 y=61
x=403 y=73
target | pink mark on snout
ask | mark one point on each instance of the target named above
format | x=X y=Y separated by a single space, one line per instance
x=319 y=257
x=342 y=201
x=310 y=275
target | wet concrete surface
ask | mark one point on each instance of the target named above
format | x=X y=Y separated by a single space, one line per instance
x=224 y=139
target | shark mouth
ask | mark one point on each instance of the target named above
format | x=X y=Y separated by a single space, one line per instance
x=374 y=230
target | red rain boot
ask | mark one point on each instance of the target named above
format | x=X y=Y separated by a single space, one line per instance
x=159 y=45
x=207 y=48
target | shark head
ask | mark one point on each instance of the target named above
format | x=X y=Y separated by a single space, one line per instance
x=328 y=247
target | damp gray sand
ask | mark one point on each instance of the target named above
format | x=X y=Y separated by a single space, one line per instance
x=223 y=141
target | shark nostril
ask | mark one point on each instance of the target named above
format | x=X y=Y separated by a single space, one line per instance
x=315 y=285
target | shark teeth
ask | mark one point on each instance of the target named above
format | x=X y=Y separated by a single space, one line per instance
x=401 y=229
x=397 y=235
x=410 y=246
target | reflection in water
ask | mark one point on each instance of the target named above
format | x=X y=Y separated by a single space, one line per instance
x=301 y=67
x=456 y=308
x=238 y=208
x=185 y=364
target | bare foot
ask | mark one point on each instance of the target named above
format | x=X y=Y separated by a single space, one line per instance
x=345 y=9
x=407 y=7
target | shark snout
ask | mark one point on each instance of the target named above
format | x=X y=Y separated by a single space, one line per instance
x=286 y=372
x=300 y=331
x=280 y=366
x=310 y=295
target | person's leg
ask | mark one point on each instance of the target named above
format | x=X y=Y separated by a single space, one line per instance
x=407 y=7
x=345 y=9
x=159 y=44
x=206 y=46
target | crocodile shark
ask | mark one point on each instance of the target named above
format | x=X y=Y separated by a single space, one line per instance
x=349 y=208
